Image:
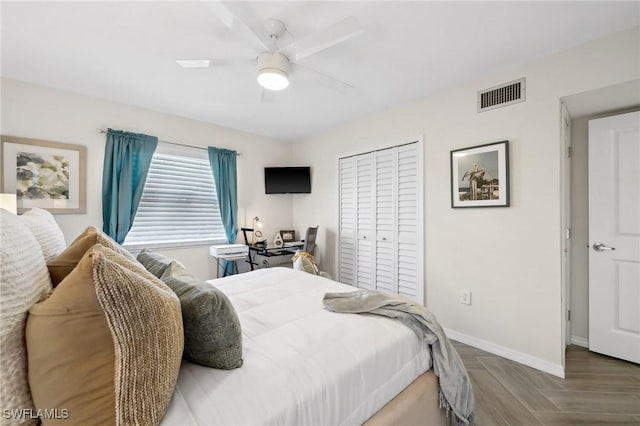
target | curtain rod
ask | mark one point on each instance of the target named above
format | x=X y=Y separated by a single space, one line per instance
x=102 y=131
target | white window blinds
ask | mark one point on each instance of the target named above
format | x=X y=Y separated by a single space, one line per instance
x=179 y=205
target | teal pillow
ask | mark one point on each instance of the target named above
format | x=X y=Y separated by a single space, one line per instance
x=155 y=263
x=212 y=333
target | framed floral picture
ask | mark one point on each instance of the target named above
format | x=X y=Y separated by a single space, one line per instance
x=44 y=174
x=480 y=176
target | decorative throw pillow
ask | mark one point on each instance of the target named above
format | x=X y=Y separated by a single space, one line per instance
x=46 y=230
x=62 y=265
x=212 y=333
x=106 y=345
x=23 y=281
x=132 y=265
x=155 y=263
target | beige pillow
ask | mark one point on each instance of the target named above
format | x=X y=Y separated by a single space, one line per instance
x=62 y=265
x=46 y=230
x=23 y=281
x=107 y=344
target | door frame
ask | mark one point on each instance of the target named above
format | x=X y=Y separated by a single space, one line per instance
x=565 y=225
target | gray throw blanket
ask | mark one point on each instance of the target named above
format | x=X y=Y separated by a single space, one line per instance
x=455 y=387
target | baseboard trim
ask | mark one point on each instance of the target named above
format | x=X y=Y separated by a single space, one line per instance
x=580 y=341
x=520 y=357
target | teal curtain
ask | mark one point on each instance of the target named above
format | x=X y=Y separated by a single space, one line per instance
x=225 y=176
x=127 y=157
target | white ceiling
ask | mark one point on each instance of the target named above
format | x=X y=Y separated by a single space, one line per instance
x=126 y=52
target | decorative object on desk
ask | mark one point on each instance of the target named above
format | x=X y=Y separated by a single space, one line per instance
x=480 y=176
x=303 y=261
x=9 y=203
x=288 y=235
x=277 y=241
x=44 y=174
x=256 y=236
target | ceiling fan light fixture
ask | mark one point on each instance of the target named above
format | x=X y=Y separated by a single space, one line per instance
x=273 y=79
x=273 y=71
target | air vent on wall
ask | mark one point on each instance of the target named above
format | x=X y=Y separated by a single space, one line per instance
x=502 y=95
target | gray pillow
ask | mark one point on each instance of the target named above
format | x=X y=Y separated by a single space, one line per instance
x=155 y=263
x=212 y=334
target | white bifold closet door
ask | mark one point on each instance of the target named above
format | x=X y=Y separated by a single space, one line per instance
x=348 y=221
x=381 y=220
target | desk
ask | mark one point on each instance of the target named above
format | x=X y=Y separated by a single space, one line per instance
x=269 y=250
x=229 y=253
x=228 y=258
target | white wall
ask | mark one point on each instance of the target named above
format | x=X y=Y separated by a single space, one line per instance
x=37 y=112
x=508 y=257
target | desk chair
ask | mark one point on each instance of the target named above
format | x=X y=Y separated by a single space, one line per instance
x=246 y=241
x=310 y=247
x=310 y=240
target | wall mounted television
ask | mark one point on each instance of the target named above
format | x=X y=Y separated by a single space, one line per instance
x=287 y=180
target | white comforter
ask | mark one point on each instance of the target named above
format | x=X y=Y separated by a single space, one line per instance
x=303 y=365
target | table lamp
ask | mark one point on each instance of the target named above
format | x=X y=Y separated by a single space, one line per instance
x=257 y=225
x=9 y=202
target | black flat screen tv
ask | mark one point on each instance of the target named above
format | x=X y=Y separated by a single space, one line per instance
x=287 y=180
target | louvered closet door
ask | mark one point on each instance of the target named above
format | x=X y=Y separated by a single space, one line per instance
x=347 y=220
x=409 y=215
x=385 y=219
x=381 y=220
x=365 y=271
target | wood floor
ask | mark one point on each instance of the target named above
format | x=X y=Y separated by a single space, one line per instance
x=597 y=390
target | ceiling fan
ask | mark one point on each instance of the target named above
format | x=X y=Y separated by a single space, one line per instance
x=275 y=63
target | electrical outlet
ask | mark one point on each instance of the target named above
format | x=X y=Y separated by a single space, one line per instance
x=465 y=297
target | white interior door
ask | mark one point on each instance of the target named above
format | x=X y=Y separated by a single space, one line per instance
x=614 y=236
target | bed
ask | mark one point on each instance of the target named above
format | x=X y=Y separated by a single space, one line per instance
x=302 y=364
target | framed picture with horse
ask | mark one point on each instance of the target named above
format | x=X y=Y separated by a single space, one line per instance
x=480 y=176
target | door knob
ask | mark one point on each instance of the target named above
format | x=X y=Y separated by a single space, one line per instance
x=602 y=247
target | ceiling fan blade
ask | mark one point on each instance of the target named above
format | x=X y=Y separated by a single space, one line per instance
x=194 y=63
x=326 y=80
x=213 y=62
x=235 y=24
x=231 y=61
x=320 y=40
x=267 y=96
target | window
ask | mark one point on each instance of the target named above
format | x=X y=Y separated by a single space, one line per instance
x=179 y=205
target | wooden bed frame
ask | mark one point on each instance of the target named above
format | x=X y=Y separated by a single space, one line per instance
x=417 y=404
